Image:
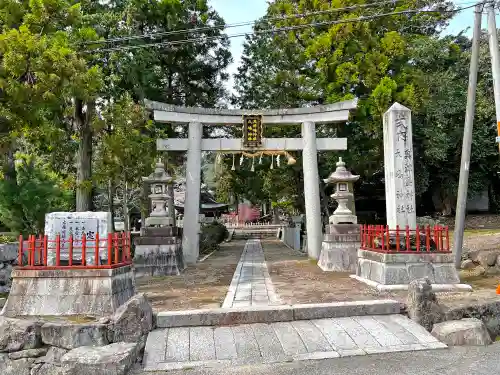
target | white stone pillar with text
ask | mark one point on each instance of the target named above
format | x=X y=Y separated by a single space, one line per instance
x=314 y=226
x=191 y=226
x=399 y=168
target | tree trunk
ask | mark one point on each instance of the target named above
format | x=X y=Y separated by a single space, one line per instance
x=83 y=121
x=9 y=169
x=126 y=218
x=276 y=215
x=111 y=207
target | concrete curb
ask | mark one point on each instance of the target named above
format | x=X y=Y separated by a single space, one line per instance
x=270 y=314
x=435 y=287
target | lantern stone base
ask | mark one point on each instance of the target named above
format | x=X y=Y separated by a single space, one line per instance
x=339 y=248
x=343 y=219
x=159 y=252
x=94 y=292
x=159 y=221
x=395 y=271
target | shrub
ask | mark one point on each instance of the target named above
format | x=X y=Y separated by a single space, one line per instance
x=212 y=234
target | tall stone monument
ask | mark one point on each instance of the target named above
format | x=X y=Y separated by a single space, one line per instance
x=341 y=240
x=399 y=168
x=158 y=251
x=388 y=269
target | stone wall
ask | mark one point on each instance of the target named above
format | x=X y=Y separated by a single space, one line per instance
x=8 y=259
x=108 y=346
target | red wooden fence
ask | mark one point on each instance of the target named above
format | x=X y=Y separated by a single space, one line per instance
x=380 y=238
x=111 y=252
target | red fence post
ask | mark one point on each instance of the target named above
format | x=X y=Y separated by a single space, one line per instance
x=398 y=246
x=417 y=238
x=388 y=237
x=407 y=238
x=21 y=249
x=58 y=250
x=84 y=250
x=110 y=249
x=71 y=244
x=115 y=240
x=447 y=238
x=97 y=249
x=45 y=250
x=129 y=247
x=40 y=250
x=124 y=246
x=428 y=238
x=382 y=239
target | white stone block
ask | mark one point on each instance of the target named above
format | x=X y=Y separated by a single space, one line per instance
x=399 y=168
x=77 y=223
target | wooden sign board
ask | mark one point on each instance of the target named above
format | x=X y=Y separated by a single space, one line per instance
x=252 y=131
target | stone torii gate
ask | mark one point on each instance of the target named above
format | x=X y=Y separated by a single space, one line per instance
x=195 y=144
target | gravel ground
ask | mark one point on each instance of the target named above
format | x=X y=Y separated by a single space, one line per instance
x=203 y=285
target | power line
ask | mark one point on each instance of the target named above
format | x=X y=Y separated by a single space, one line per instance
x=240 y=24
x=274 y=30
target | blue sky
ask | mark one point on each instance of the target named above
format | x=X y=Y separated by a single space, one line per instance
x=236 y=11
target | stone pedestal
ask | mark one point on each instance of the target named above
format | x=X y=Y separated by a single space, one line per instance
x=395 y=271
x=95 y=292
x=158 y=252
x=339 y=248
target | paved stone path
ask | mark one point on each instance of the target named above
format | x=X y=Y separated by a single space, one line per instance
x=188 y=347
x=251 y=284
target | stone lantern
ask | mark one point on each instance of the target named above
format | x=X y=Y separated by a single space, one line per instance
x=158 y=251
x=341 y=239
x=342 y=179
x=159 y=181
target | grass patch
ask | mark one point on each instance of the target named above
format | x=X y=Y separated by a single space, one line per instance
x=4 y=295
x=481 y=282
x=78 y=319
x=479 y=232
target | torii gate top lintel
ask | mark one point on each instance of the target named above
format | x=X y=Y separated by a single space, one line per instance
x=336 y=112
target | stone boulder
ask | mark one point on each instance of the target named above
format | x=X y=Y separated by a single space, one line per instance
x=467 y=264
x=17 y=367
x=29 y=353
x=53 y=355
x=132 y=321
x=9 y=252
x=51 y=369
x=71 y=336
x=468 y=331
x=18 y=334
x=487 y=258
x=113 y=359
x=422 y=304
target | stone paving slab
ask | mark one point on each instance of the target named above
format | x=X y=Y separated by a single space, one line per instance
x=246 y=344
x=271 y=314
x=251 y=284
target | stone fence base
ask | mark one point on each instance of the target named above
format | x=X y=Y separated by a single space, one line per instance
x=395 y=271
x=95 y=292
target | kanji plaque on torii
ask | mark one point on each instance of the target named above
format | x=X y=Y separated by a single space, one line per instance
x=252 y=131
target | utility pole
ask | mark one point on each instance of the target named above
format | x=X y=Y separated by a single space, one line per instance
x=458 y=236
x=495 y=60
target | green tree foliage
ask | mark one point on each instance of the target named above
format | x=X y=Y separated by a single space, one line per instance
x=36 y=191
x=62 y=93
x=386 y=59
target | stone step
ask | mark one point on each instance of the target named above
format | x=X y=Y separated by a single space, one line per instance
x=269 y=314
x=246 y=344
